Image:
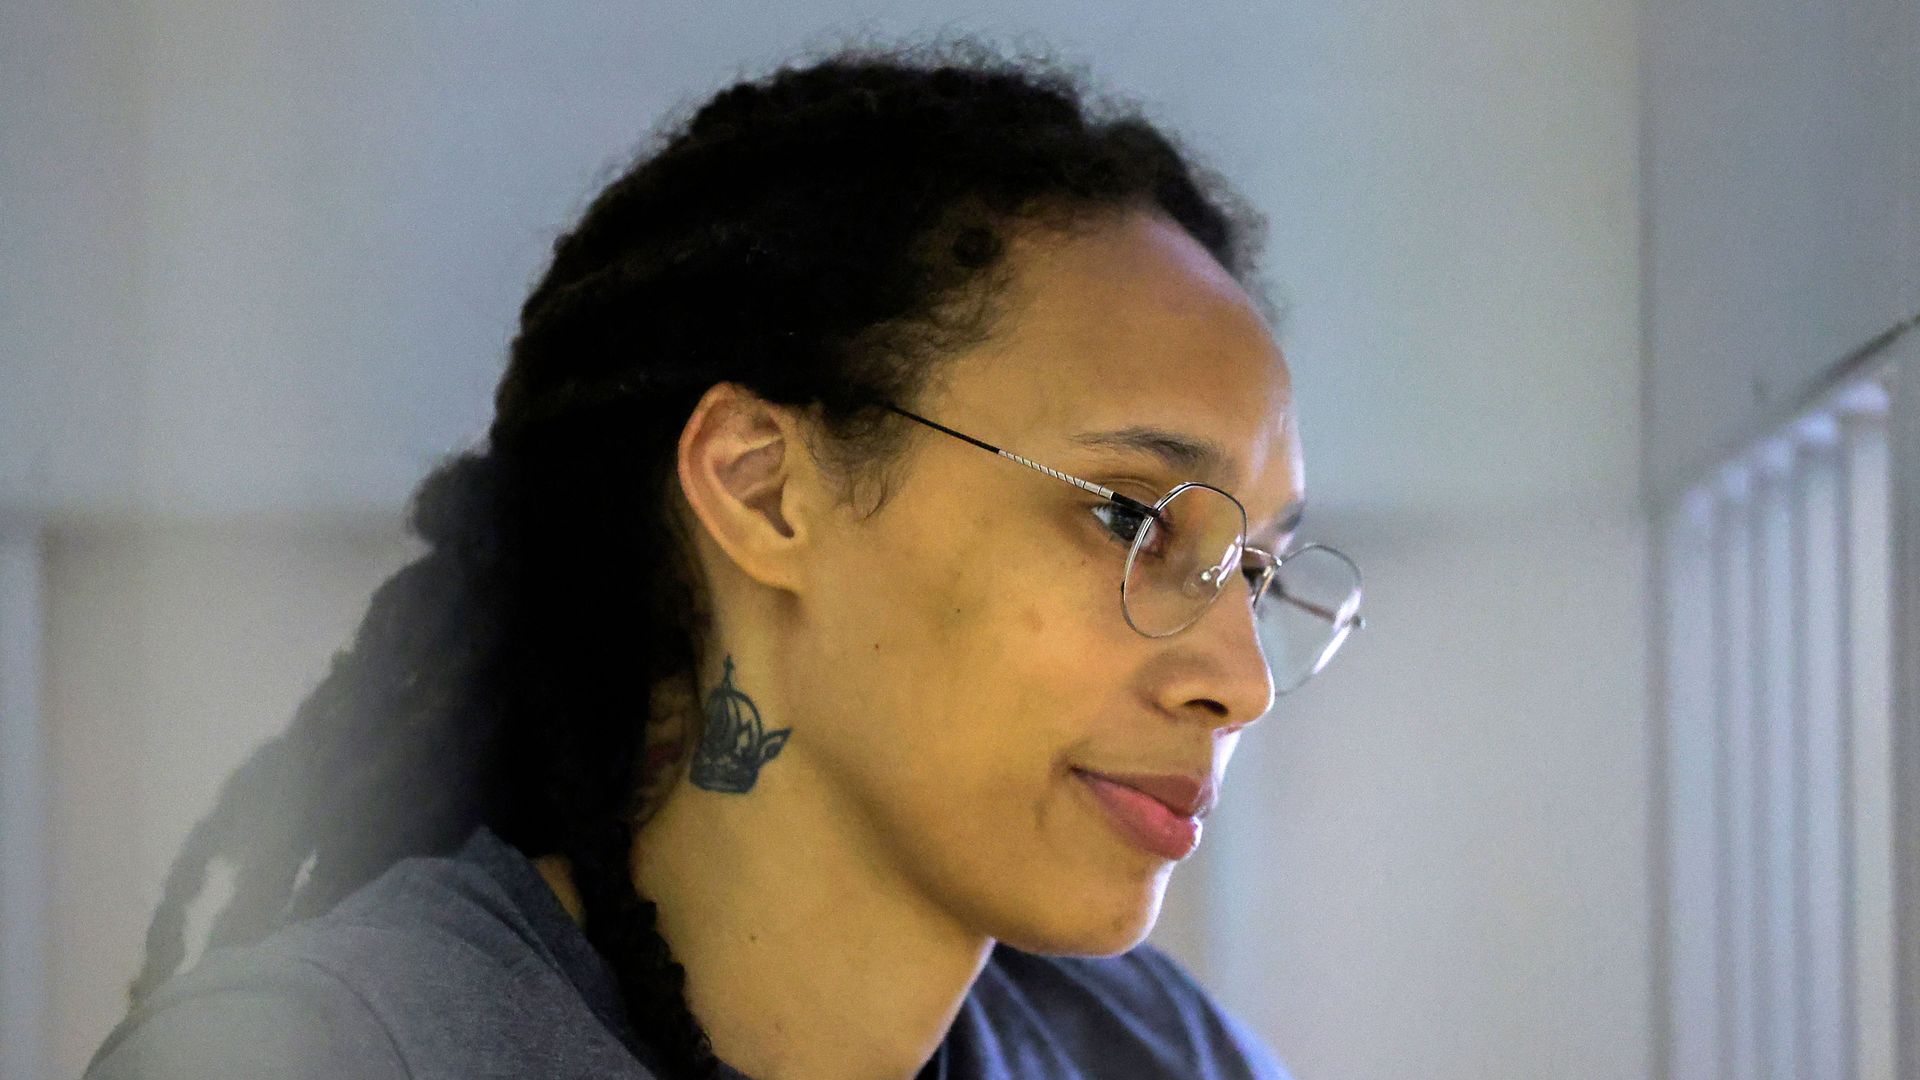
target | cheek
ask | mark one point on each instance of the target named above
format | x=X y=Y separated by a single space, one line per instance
x=949 y=670
x=967 y=660
x=950 y=675
x=990 y=706
x=958 y=704
x=1032 y=622
x=963 y=598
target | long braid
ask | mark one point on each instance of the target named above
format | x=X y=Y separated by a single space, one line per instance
x=277 y=814
x=822 y=237
x=624 y=926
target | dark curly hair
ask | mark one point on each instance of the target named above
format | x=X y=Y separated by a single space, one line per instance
x=822 y=237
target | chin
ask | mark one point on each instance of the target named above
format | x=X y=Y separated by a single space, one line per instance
x=1099 y=924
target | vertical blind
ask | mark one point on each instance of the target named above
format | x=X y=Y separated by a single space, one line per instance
x=1775 y=630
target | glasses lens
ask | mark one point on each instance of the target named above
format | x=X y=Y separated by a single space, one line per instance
x=1182 y=559
x=1307 y=612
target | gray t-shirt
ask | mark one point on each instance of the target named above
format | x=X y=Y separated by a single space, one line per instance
x=467 y=966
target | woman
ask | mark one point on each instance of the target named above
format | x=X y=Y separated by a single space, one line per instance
x=744 y=716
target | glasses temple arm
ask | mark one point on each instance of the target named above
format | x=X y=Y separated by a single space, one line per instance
x=1086 y=485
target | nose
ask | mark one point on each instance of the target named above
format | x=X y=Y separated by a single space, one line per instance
x=1235 y=683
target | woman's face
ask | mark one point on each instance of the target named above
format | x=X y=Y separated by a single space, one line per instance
x=981 y=664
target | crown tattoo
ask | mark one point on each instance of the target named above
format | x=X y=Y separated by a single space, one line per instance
x=735 y=743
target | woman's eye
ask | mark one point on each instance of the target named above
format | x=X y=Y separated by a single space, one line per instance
x=1121 y=523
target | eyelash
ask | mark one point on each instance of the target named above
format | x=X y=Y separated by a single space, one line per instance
x=1136 y=516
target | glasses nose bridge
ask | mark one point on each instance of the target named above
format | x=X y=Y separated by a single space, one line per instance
x=1269 y=568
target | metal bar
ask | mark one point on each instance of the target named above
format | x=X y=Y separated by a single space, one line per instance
x=1904 y=514
x=1869 y=702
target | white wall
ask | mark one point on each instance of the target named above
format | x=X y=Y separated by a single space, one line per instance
x=1783 y=209
x=1432 y=858
x=268 y=255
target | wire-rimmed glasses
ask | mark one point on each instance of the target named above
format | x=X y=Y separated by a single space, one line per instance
x=1185 y=548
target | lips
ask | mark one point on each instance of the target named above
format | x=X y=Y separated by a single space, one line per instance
x=1186 y=796
x=1163 y=821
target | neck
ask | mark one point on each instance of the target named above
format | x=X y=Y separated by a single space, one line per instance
x=805 y=956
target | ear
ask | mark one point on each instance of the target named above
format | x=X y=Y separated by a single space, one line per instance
x=747 y=478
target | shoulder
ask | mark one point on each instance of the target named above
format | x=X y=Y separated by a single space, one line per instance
x=335 y=996
x=431 y=970
x=1140 y=1012
x=254 y=1012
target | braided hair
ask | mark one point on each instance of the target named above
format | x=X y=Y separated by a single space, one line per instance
x=822 y=236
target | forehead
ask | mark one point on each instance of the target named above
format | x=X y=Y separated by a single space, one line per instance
x=1127 y=341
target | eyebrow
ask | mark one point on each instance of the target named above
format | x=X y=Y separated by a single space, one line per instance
x=1184 y=454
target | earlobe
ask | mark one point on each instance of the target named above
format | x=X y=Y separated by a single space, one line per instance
x=739 y=463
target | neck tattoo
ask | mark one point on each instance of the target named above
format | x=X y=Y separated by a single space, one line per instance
x=736 y=742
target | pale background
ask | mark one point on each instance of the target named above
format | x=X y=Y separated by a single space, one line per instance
x=258 y=264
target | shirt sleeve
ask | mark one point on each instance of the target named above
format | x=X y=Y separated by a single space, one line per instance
x=302 y=1024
